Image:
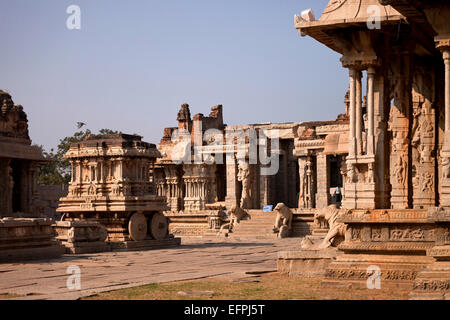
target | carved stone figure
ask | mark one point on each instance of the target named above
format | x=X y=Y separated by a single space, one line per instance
x=370 y=174
x=445 y=163
x=427 y=181
x=330 y=214
x=350 y=174
x=244 y=177
x=238 y=214
x=302 y=201
x=400 y=170
x=283 y=221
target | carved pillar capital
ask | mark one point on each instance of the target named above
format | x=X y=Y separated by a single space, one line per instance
x=371 y=70
x=443 y=44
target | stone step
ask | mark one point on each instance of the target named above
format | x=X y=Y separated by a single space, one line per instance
x=263 y=227
x=255 y=223
x=261 y=219
x=251 y=236
x=254 y=227
x=258 y=227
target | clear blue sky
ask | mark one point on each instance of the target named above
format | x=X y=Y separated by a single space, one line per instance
x=133 y=63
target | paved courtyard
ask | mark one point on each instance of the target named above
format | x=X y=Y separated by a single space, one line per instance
x=194 y=259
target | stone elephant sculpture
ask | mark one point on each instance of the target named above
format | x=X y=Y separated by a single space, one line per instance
x=283 y=221
x=330 y=214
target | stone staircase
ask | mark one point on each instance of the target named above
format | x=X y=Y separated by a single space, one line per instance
x=258 y=227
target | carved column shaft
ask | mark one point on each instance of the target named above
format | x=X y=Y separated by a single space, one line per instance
x=323 y=181
x=352 y=136
x=310 y=184
x=445 y=151
x=370 y=110
x=400 y=165
x=446 y=56
x=358 y=114
x=302 y=178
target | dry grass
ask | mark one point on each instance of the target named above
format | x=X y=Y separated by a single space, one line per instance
x=5 y=296
x=270 y=287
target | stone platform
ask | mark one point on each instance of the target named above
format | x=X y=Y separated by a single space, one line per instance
x=395 y=241
x=144 y=244
x=106 y=271
x=81 y=236
x=306 y=263
x=309 y=260
x=28 y=239
x=433 y=282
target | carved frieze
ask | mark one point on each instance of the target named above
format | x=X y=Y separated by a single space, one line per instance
x=360 y=274
x=432 y=285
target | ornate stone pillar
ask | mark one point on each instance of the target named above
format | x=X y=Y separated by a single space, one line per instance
x=400 y=165
x=423 y=142
x=173 y=182
x=231 y=198
x=323 y=181
x=302 y=203
x=264 y=187
x=120 y=169
x=78 y=171
x=446 y=56
x=352 y=96
x=359 y=191
x=310 y=184
x=370 y=111
x=72 y=171
x=245 y=177
x=358 y=114
x=444 y=46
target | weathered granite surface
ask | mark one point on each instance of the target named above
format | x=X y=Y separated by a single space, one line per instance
x=114 y=270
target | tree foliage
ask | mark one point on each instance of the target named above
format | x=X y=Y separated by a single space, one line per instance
x=57 y=171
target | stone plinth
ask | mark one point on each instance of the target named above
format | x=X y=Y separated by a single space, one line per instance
x=81 y=236
x=434 y=281
x=26 y=239
x=195 y=223
x=306 y=263
x=396 y=241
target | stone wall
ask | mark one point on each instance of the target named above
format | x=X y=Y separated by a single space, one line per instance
x=49 y=196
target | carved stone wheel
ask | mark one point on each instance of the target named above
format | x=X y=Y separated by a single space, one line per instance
x=159 y=226
x=137 y=226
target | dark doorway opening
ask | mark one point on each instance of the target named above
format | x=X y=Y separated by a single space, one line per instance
x=221 y=181
x=335 y=172
x=16 y=167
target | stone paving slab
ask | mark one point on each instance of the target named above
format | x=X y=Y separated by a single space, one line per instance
x=100 y=272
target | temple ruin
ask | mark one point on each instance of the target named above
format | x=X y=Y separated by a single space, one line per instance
x=395 y=175
x=369 y=190
x=19 y=162
x=24 y=231
x=207 y=166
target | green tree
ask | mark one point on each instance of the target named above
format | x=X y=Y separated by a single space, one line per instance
x=57 y=171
